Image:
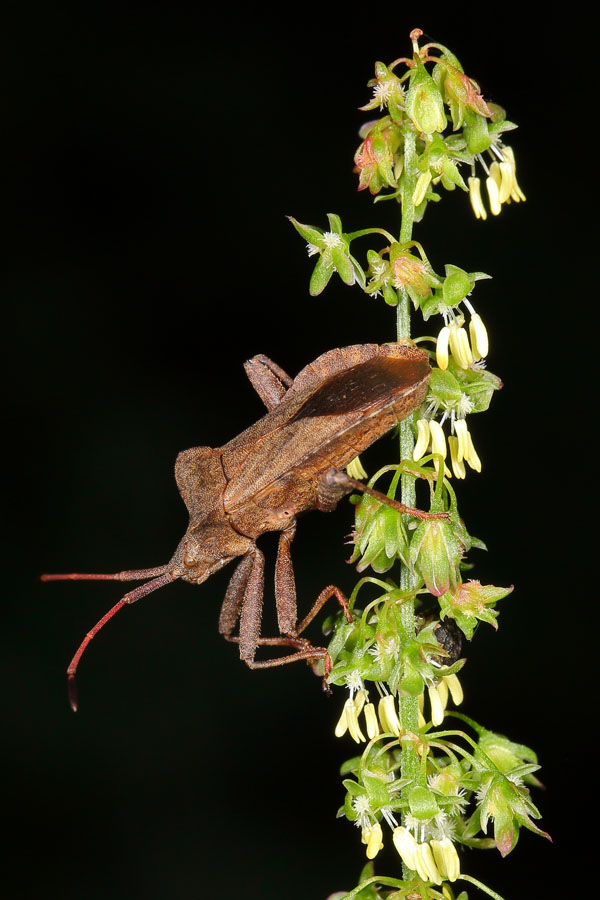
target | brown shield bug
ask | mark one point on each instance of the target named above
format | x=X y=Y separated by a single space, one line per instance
x=289 y=462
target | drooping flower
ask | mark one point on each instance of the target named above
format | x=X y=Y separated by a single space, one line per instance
x=475 y=198
x=373 y=838
x=446 y=858
x=501 y=181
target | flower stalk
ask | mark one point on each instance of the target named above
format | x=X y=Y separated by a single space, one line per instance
x=433 y=789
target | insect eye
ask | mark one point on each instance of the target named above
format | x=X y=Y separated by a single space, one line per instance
x=189 y=561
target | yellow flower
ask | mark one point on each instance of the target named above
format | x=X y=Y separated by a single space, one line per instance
x=501 y=183
x=423 y=182
x=438 y=439
x=426 y=866
x=479 y=336
x=438 y=697
x=458 y=466
x=465 y=449
x=459 y=346
x=493 y=193
x=355 y=468
x=509 y=172
x=475 y=198
x=438 y=706
x=388 y=715
x=446 y=858
x=422 y=443
x=373 y=838
x=348 y=721
x=371 y=721
x=406 y=846
x=441 y=347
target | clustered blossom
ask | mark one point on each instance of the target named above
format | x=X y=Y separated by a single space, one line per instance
x=501 y=183
x=434 y=861
x=385 y=718
x=462 y=450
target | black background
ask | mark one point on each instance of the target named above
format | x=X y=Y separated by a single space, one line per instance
x=150 y=156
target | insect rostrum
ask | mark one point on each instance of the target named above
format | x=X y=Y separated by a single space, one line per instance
x=289 y=462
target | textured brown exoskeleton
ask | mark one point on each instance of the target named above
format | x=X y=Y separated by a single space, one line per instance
x=289 y=462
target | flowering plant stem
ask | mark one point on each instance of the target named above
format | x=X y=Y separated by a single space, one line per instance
x=434 y=788
x=409 y=704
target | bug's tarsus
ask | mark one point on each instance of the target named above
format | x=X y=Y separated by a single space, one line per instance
x=304 y=649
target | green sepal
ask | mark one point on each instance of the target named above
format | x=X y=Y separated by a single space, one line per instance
x=377 y=792
x=308 y=232
x=457 y=285
x=444 y=388
x=422 y=803
x=351 y=765
x=389 y=295
x=321 y=275
x=411 y=682
x=476 y=132
x=335 y=223
x=338 y=641
x=353 y=787
x=343 y=264
x=451 y=176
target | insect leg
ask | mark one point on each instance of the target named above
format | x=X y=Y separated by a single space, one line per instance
x=334 y=480
x=330 y=591
x=251 y=611
x=285 y=584
x=234 y=596
x=268 y=380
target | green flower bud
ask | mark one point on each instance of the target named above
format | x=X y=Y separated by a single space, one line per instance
x=506 y=755
x=424 y=103
x=509 y=806
x=375 y=158
x=459 y=91
x=435 y=552
x=379 y=538
x=411 y=272
x=472 y=602
x=476 y=133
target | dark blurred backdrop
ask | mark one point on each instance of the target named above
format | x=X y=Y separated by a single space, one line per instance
x=150 y=154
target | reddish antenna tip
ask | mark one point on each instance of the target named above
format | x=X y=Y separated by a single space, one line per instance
x=72 y=688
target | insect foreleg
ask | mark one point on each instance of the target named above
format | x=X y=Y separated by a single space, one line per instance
x=268 y=380
x=234 y=596
x=285 y=584
x=251 y=612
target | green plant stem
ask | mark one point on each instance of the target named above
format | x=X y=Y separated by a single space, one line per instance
x=409 y=708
